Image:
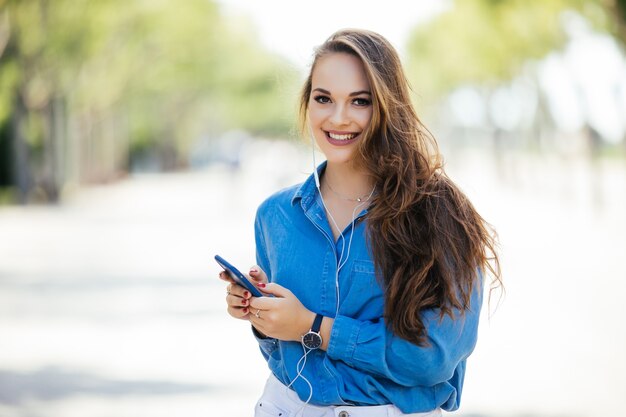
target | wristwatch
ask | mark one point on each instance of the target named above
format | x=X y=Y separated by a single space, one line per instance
x=313 y=340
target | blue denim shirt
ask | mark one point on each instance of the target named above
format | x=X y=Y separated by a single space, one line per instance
x=365 y=364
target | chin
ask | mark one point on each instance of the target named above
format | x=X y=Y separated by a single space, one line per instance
x=338 y=155
x=339 y=160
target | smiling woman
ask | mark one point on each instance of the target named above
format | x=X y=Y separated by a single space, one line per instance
x=340 y=105
x=376 y=262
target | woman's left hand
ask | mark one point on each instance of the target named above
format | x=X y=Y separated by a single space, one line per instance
x=283 y=316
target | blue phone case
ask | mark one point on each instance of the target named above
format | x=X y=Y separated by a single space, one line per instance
x=239 y=278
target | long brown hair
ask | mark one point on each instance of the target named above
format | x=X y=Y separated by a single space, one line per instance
x=429 y=244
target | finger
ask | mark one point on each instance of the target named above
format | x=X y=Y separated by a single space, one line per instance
x=236 y=301
x=263 y=303
x=223 y=275
x=238 y=291
x=239 y=312
x=255 y=316
x=257 y=274
x=274 y=289
x=269 y=303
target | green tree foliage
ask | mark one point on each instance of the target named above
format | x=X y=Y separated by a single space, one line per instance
x=613 y=15
x=488 y=41
x=85 y=84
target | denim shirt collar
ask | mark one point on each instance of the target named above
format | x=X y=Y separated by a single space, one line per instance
x=307 y=192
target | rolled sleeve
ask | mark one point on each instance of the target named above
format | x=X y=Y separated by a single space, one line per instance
x=343 y=339
x=267 y=344
x=372 y=347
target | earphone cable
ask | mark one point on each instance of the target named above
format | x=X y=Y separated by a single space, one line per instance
x=299 y=370
x=341 y=262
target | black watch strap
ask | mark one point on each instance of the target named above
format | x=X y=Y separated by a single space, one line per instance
x=317 y=323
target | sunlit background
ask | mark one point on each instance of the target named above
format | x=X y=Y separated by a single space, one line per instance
x=138 y=137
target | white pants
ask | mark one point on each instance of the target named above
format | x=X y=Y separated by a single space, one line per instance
x=279 y=401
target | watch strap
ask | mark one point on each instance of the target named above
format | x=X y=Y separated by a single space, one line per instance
x=317 y=323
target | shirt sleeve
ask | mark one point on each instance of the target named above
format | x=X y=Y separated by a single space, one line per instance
x=267 y=344
x=371 y=347
x=261 y=247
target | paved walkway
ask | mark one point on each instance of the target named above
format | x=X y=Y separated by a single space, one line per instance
x=110 y=304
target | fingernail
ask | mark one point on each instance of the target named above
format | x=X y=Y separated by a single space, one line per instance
x=245 y=310
x=253 y=270
x=261 y=284
x=246 y=294
x=244 y=302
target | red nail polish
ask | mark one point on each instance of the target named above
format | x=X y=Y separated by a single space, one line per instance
x=244 y=302
x=246 y=294
x=245 y=310
x=261 y=284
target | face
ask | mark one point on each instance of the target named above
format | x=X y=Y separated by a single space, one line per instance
x=340 y=106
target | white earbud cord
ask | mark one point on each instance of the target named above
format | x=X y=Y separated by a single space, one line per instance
x=302 y=362
x=300 y=369
x=341 y=261
x=340 y=264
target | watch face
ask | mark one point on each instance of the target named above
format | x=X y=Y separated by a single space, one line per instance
x=312 y=340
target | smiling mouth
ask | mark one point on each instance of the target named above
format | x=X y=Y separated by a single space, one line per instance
x=342 y=137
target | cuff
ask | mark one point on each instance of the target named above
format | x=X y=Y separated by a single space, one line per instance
x=267 y=344
x=343 y=339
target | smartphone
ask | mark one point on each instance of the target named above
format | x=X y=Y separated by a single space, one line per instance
x=239 y=278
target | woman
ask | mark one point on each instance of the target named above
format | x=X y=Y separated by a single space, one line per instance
x=375 y=263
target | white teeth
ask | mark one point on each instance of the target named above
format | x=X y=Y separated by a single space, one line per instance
x=341 y=137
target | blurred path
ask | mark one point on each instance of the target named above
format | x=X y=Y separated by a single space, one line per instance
x=110 y=304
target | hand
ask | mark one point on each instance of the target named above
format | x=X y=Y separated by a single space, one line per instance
x=237 y=298
x=282 y=316
x=258 y=275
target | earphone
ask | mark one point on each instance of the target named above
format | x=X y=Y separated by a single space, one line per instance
x=315 y=174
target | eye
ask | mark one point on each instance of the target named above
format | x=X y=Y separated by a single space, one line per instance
x=362 y=102
x=322 y=99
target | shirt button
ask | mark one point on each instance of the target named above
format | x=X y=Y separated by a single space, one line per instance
x=344 y=414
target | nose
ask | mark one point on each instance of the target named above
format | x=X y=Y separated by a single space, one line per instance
x=339 y=115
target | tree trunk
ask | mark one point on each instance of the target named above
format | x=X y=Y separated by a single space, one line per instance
x=21 y=157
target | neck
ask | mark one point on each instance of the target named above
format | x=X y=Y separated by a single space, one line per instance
x=348 y=181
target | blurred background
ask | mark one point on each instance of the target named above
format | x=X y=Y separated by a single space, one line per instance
x=138 y=137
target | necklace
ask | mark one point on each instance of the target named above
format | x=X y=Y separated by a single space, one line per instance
x=356 y=200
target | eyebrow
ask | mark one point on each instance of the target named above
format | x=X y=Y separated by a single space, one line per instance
x=356 y=93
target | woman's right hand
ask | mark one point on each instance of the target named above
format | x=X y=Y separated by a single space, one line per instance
x=237 y=297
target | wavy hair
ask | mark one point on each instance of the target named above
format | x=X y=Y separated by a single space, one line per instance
x=429 y=244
